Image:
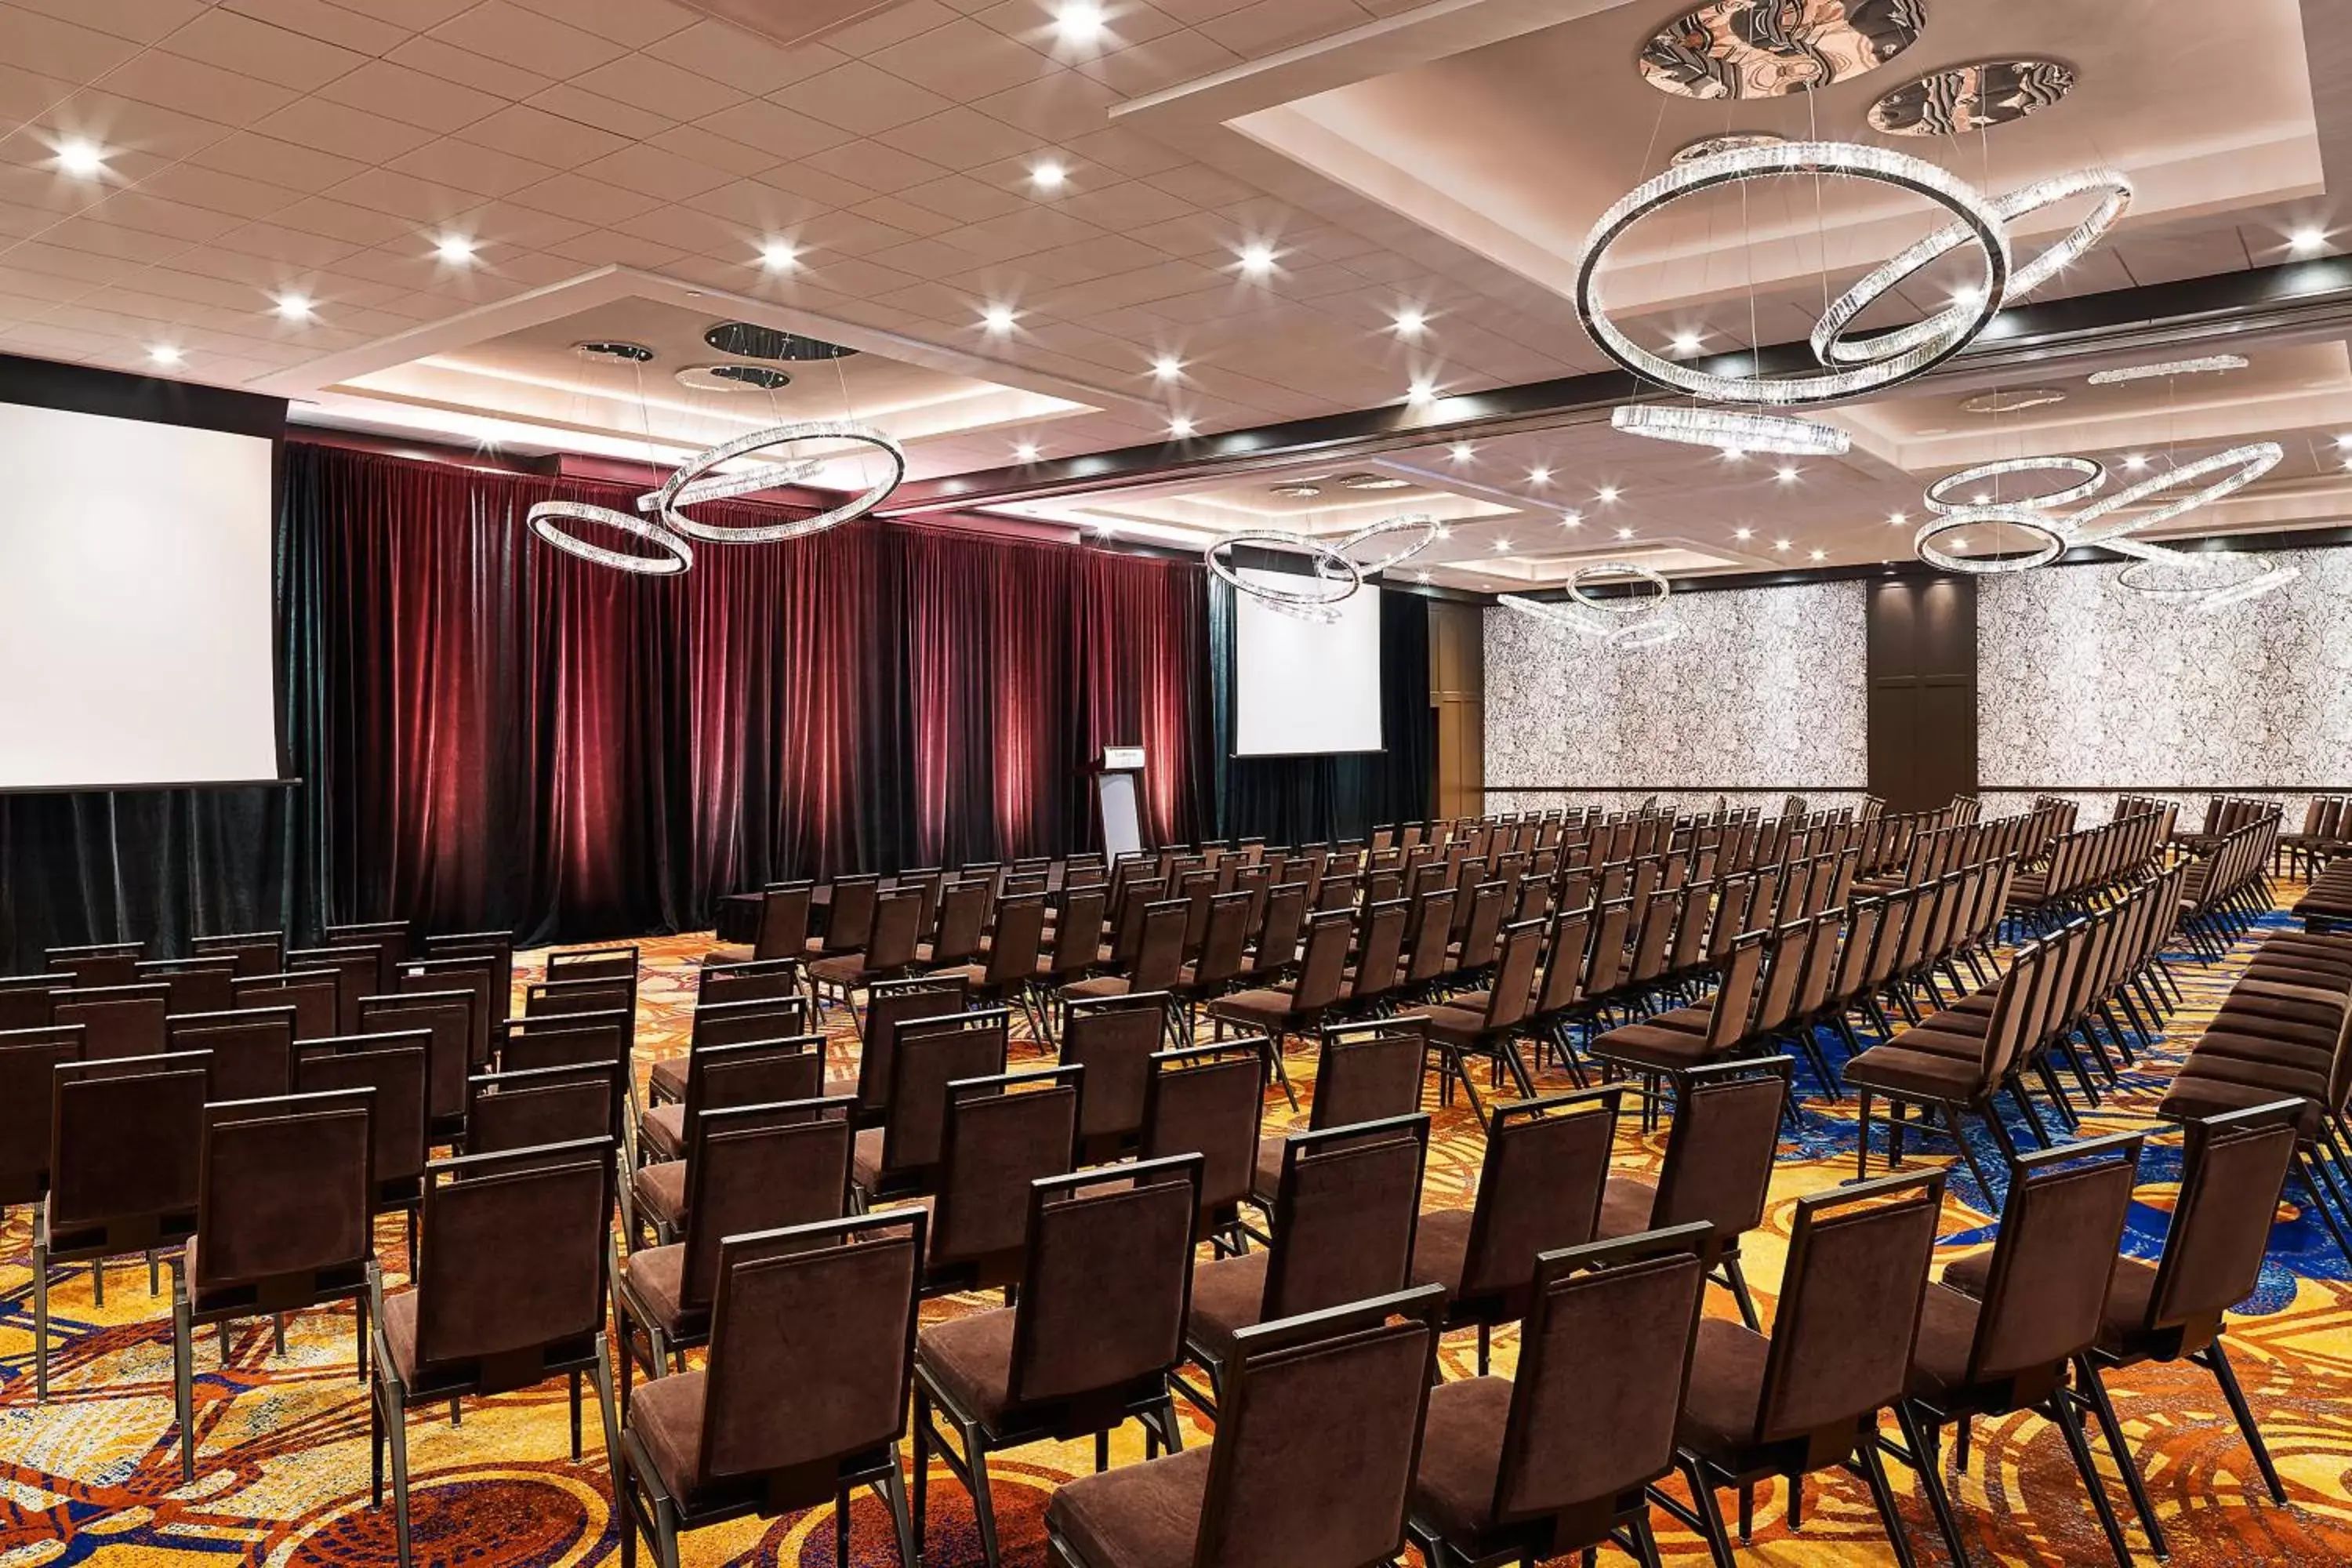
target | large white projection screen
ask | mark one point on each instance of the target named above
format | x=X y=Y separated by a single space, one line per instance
x=135 y=618
x=1300 y=689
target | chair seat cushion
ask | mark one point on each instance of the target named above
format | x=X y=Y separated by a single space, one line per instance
x=2230 y=1020
x=865 y=1158
x=2194 y=1097
x=660 y=1191
x=658 y=1277
x=1228 y=1295
x=2285 y=990
x=1101 y=986
x=1440 y=1249
x=1893 y=1069
x=1461 y=1455
x=2131 y=1285
x=1260 y=1009
x=663 y=1128
x=1726 y=1386
x=1626 y=1205
x=1947 y=1331
x=730 y=953
x=1456 y=1027
x=2215 y=1051
x=1138 y=1516
x=970 y=1359
x=847 y=970
x=667 y=1417
x=1650 y=1046
x=1961 y=1045
x=669 y=1078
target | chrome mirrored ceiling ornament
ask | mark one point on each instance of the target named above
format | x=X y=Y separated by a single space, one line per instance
x=1340 y=566
x=1732 y=431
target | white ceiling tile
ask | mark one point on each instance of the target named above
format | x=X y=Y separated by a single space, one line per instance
x=464 y=166
x=543 y=138
x=225 y=98
x=500 y=30
x=651 y=172
x=857 y=96
x=495 y=225
x=633 y=22
x=1057 y=107
x=292 y=245
x=623 y=119
x=340 y=220
x=889 y=24
x=114 y=240
x=962 y=197
x=352 y=132
x=51 y=46
x=150 y=210
x=610 y=248
x=1271 y=25
x=588 y=201
x=234 y=42
x=773 y=129
x=416 y=16
x=217 y=191
x=666 y=89
x=327 y=23
x=404 y=195
x=141 y=21
x=252 y=156
x=1147 y=67
x=875 y=167
x=905 y=215
x=826 y=190
x=960 y=139
x=728 y=55
x=761 y=208
x=963 y=60
x=413 y=97
x=510 y=79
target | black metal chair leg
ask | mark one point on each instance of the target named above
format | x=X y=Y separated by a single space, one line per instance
x=1927 y=1458
x=2213 y=1359
x=2094 y=1393
x=2070 y=1423
x=1874 y=1471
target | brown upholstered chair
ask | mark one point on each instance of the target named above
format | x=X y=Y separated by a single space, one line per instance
x=748 y=1168
x=783 y=931
x=888 y=1003
x=1010 y=972
x=510 y=1293
x=393 y=941
x=24 y=1000
x=732 y=1023
x=315 y=994
x=544 y=999
x=747 y=979
x=1159 y=957
x=1810 y=1396
x=1114 y=1038
x=1224 y=949
x=1313 y=1463
x=358 y=971
x=482 y=951
x=255 y=952
x=1096 y=1326
x=28 y=1062
x=525 y=1108
x=394 y=1068
x=450 y=1019
x=606 y=963
x=126 y=1139
x=1210 y=1101
x=252 y=1052
x=1461 y=1033
x=1363 y=1072
x=1718 y=1166
x=761 y=1072
x=1538 y=1190
x=121 y=1020
x=848 y=905
x=1343 y=1228
x=2044 y=1289
x=780 y=1423
x=1278 y=1014
x=2233 y=1171
x=887 y=951
x=479 y=973
x=962 y=922
x=284 y=1224
x=1561 y=1457
x=195 y=985
x=98 y=964
x=1001 y=1133
x=901 y=1157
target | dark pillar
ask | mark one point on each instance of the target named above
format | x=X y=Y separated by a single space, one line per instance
x=1923 y=690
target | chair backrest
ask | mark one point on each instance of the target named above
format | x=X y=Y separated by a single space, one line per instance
x=1020 y=928
x=897 y=927
x=1490 y=902
x=25 y=999
x=1369 y=1072
x=1719 y=1152
x=1106 y=1283
x=120 y=1020
x=1113 y=1037
x=792 y=1406
x=928 y=1056
x=97 y=965
x=395 y=1068
x=1002 y=1133
x=962 y=920
x=1538 y=1190
x=1325 y=962
x=783 y=920
x=1210 y=1101
x=490 y=951
x=512 y=1276
x=1344 y=1214
x=1318 y=1435
x=194 y=985
x=1512 y=997
x=759 y=980
x=1160 y=950
x=28 y=1064
x=1136 y=895
x=448 y=1016
x=576 y=1039
x=732 y=1021
x=1077 y=930
x=2234 y=1169
x=2060 y=1226
x=391 y=939
x=850 y=913
x=1429 y=926
x=888 y=1003
x=253 y=1053
x=478 y=973
x=125 y=1145
x=761 y=1167
x=1224 y=942
x=358 y=970
x=526 y=1108
x=285 y=1206
x=1379 y=949
x=556 y=998
x=758 y=1073
x=1604 y=1360
x=1286 y=917
x=618 y=962
x=1849 y=1309
x=255 y=952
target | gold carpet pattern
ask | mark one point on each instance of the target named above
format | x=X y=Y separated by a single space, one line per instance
x=282 y=1477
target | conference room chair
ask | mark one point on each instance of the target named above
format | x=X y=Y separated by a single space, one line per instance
x=524 y=1108
x=315 y=994
x=749 y=980
x=887 y=951
x=254 y=952
x=1009 y=976
x=762 y=1072
x=25 y=999
x=778 y=1424
x=1276 y=932
x=449 y=1019
x=491 y=949
x=1540 y=1188
x=393 y=1069
x=1363 y=1072
x=900 y=1158
x=359 y=972
x=1491 y=1033
x=510 y=1292
x=1477 y=934
x=564 y=998
x=588 y=1040
x=2012 y=1348
x=126 y=1142
x=119 y=1020
x=727 y=1022
x=97 y=965
x=1096 y=1327
x=393 y=939
x=1210 y=1101
x=1076 y=946
x=1343 y=1228
x=955 y=938
x=1279 y=1013
x=1217 y=967
x=1113 y=1037
x=888 y=1003
x=1156 y=963
x=1124 y=935
x=194 y=985
x=252 y=1052
x=1428 y=930
x=28 y=1062
x=2232 y=1175
x=848 y=904
x=748 y=1168
x=1323 y=1406
x=998 y=1134
x=1560 y=1457
x=479 y=973
x=1840 y=1352
x=783 y=931
x=283 y=1224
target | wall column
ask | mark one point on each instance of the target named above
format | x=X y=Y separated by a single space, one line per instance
x=1922 y=657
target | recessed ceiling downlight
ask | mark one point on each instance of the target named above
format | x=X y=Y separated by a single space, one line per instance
x=748 y=340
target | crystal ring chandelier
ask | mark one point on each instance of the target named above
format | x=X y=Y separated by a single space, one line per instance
x=1733 y=430
x=676 y=555
x=1830 y=343
x=2244 y=579
x=1335 y=577
x=1422 y=527
x=2089 y=474
x=2239 y=466
x=695 y=481
x=1976 y=217
x=1630 y=605
x=1651 y=630
x=2054 y=539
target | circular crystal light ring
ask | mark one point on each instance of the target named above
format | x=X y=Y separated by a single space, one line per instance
x=694 y=483
x=2054 y=539
x=2239 y=466
x=676 y=555
x=1654 y=632
x=1633 y=605
x=1424 y=527
x=2250 y=582
x=1731 y=430
x=1335 y=575
x=1554 y=614
x=2089 y=473
x=1845 y=160
x=1830 y=343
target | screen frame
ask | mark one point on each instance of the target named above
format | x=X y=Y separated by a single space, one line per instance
x=1272 y=561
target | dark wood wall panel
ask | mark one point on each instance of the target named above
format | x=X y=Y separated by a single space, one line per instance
x=1922 y=645
x=1457 y=689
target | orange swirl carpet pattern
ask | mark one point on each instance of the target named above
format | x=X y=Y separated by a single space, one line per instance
x=282 y=1477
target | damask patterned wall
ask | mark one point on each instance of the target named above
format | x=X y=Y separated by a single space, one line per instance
x=2081 y=686
x=1765 y=690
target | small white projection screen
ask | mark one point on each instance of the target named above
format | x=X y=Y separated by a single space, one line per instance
x=1300 y=689
x=135 y=613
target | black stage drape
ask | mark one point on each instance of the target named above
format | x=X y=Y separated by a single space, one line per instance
x=1304 y=800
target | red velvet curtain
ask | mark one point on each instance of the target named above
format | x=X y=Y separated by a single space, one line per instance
x=506 y=736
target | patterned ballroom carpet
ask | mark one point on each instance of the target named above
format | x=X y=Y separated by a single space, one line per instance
x=282 y=1475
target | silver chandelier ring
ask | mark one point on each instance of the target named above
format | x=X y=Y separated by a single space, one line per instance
x=1630 y=606
x=2089 y=473
x=676 y=555
x=2239 y=466
x=1334 y=573
x=1424 y=527
x=2056 y=540
x=695 y=482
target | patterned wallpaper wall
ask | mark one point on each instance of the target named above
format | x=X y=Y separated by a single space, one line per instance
x=1765 y=688
x=2080 y=685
